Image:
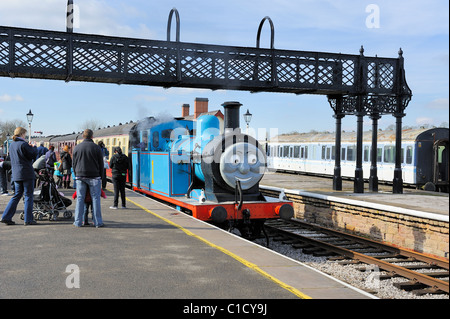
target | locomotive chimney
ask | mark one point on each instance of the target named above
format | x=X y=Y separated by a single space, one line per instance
x=200 y=106
x=231 y=115
x=185 y=110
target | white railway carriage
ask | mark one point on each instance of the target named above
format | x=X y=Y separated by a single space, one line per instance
x=424 y=155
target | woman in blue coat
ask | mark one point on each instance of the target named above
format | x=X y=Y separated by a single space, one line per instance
x=22 y=155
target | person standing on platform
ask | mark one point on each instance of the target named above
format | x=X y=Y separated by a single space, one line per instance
x=50 y=159
x=66 y=162
x=88 y=167
x=105 y=153
x=42 y=150
x=3 y=176
x=22 y=157
x=119 y=167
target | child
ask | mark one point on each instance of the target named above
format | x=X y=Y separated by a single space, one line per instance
x=58 y=174
x=87 y=204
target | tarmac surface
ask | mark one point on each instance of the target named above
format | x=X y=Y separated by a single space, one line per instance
x=148 y=251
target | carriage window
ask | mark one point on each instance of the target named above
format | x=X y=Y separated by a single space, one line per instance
x=324 y=148
x=328 y=153
x=409 y=154
x=389 y=154
x=306 y=152
x=285 y=151
x=343 y=153
x=296 y=151
x=366 y=153
x=280 y=151
x=441 y=150
x=351 y=153
x=333 y=152
x=379 y=154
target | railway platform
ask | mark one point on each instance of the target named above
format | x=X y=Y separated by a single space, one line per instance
x=150 y=251
x=411 y=200
x=416 y=220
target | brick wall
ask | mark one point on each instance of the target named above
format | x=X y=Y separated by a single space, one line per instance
x=420 y=234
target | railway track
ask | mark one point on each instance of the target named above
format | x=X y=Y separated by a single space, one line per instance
x=425 y=275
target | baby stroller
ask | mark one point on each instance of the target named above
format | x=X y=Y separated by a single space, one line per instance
x=47 y=201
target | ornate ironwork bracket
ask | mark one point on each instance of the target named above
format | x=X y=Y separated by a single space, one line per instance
x=169 y=23
x=273 y=78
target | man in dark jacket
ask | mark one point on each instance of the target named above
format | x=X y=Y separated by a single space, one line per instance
x=41 y=150
x=50 y=159
x=119 y=167
x=22 y=156
x=88 y=166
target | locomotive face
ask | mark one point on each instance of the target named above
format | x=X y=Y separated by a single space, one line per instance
x=244 y=162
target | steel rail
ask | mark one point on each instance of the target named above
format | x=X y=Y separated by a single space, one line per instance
x=400 y=251
x=394 y=269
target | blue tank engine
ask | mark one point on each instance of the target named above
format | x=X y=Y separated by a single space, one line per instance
x=213 y=175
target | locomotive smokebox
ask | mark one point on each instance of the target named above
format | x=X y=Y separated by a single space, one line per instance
x=231 y=115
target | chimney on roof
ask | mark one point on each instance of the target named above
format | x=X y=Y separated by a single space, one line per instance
x=200 y=106
x=185 y=110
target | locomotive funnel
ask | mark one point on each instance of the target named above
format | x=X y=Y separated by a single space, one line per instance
x=231 y=114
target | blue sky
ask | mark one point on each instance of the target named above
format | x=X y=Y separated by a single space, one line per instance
x=420 y=28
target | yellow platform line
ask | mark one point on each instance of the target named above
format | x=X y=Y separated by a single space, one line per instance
x=229 y=253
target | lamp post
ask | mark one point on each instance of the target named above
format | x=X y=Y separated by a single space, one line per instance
x=29 y=119
x=247 y=118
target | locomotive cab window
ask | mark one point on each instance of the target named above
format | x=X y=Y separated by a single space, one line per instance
x=143 y=145
x=155 y=139
x=166 y=134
